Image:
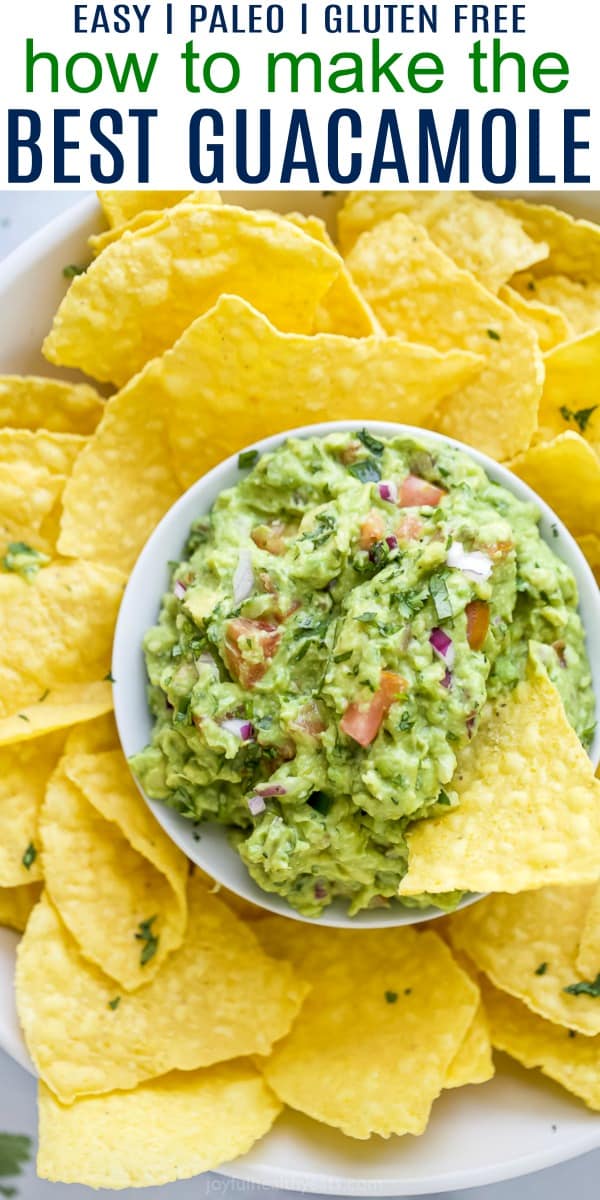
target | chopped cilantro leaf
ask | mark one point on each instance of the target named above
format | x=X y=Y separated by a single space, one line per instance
x=23 y=560
x=444 y=798
x=341 y=658
x=29 y=856
x=114 y=1003
x=585 y=987
x=198 y=536
x=22 y=717
x=44 y=696
x=405 y=723
x=541 y=970
x=321 y=803
x=248 y=458
x=365 y=470
x=15 y=1152
x=109 y=678
x=370 y=443
x=572 y=1033
x=494 y=335
x=149 y=939
x=391 y=997
x=438 y=590
x=321 y=531
x=581 y=416
x=408 y=991
x=72 y=270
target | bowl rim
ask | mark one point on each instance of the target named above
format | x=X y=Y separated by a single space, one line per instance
x=203 y=493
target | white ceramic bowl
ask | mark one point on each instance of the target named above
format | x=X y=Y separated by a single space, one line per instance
x=516 y=1123
x=139 y=610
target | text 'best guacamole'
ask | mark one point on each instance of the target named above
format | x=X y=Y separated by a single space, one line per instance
x=333 y=632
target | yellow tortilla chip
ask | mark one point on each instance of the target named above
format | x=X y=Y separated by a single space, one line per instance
x=57 y=708
x=552 y=468
x=167 y=1129
x=17 y=903
x=343 y=308
x=117 y=881
x=122 y=484
x=372 y=1058
x=141 y=220
x=573 y=245
x=93 y=737
x=577 y=299
x=482 y=239
x=290 y=379
x=121 y=206
x=33 y=471
x=56 y=630
x=573 y=1062
x=548 y=324
x=30 y=402
x=527 y=945
x=473 y=1062
x=589 y=544
x=53 y=452
x=217 y=997
x=570 y=400
x=588 y=954
x=24 y=773
x=137 y=298
x=529 y=806
x=418 y=293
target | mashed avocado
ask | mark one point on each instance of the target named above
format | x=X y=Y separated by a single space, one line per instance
x=332 y=634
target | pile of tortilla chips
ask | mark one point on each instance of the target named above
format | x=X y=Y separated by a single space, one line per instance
x=169 y=1026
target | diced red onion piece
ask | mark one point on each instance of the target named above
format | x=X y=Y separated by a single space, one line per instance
x=473 y=563
x=243 y=579
x=321 y=891
x=179 y=589
x=392 y=542
x=256 y=805
x=240 y=728
x=271 y=789
x=388 y=490
x=443 y=646
x=447 y=680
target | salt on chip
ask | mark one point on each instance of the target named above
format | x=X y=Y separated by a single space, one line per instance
x=473 y=1062
x=122 y=206
x=418 y=293
x=588 y=954
x=236 y=368
x=57 y=708
x=17 y=903
x=573 y=245
x=24 y=773
x=551 y=469
x=110 y=869
x=477 y=235
x=167 y=1129
x=141 y=220
x=549 y=324
x=570 y=400
x=122 y=484
x=343 y=308
x=527 y=945
x=218 y=997
x=574 y=1062
x=578 y=300
x=31 y=402
x=529 y=805
x=137 y=298
x=57 y=630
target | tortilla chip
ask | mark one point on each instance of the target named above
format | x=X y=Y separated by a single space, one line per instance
x=33 y=471
x=30 y=402
x=588 y=954
x=573 y=245
x=573 y=1062
x=24 y=773
x=548 y=324
x=551 y=470
x=119 y=207
x=480 y=238
x=141 y=220
x=528 y=945
x=577 y=300
x=529 y=806
x=416 y=292
x=137 y=298
x=57 y=630
x=110 y=868
x=168 y=1129
x=589 y=544
x=473 y=1062
x=570 y=399
x=229 y=999
x=17 y=903
x=122 y=484
x=288 y=379
x=373 y=1058
x=53 y=452
x=58 y=708
x=343 y=309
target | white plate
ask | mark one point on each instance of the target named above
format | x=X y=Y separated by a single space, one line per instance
x=515 y=1124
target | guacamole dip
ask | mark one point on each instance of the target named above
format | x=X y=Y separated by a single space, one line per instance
x=332 y=633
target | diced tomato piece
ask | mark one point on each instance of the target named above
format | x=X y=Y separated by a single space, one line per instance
x=309 y=720
x=372 y=529
x=272 y=538
x=363 y=723
x=497 y=550
x=350 y=453
x=478 y=623
x=415 y=492
x=261 y=634
x=409 y=528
